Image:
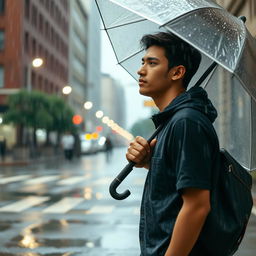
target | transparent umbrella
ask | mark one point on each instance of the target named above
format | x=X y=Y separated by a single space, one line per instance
x=218 y=35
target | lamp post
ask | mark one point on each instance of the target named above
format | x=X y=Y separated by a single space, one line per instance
x=66 y=90
x=36 y=63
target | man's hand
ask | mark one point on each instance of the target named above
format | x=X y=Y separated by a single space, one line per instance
x=140 y=152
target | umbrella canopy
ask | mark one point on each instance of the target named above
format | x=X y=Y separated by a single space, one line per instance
x=217 y=34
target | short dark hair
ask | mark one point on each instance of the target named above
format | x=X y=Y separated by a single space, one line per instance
x=177 y=51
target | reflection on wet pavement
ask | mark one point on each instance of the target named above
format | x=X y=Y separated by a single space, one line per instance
x=38 y=254
x=7 y=225
x=31 y=242
x=98 y=225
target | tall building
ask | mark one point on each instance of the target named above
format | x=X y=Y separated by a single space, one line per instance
x=30 y=29
x=113 y=99
x=78 y=56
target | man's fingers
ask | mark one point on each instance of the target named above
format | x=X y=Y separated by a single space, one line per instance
x=153 y=143
x=143 y=142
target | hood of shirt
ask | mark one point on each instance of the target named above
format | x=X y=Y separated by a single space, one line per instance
x=195 y=98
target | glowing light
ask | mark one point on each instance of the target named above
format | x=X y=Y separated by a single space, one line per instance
x=99 y=128
x=99 y=114
x=95 y=135
x=105 y=119
x=1 y=120
x=88 y=136
x=37 y=62
x=67 y=89
x=102 y=141
x=77 y=119
x=88 y=105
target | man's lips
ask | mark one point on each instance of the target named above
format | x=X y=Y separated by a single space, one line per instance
x=142 y=81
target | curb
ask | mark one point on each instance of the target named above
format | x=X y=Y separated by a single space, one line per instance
x=30 y=161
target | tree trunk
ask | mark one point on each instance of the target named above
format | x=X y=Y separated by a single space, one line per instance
x=34 y=137
x=47 y=142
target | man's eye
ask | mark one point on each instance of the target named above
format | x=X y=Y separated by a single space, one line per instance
x=152 y=63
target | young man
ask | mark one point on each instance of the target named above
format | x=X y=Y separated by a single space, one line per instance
x=176 y=198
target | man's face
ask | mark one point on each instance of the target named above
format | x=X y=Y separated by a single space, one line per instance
x=154 y=79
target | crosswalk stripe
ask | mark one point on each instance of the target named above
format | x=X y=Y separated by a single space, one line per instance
x=254 y=210
x=103 y=181
x=43 y=179
x=64 y=205
x=24 y=204
x=73 y=180
x=14 y=179
x=101 y=209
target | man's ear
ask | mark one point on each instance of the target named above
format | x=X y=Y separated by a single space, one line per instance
x=177 y=73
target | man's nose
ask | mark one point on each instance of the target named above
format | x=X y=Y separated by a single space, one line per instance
x=141 y=71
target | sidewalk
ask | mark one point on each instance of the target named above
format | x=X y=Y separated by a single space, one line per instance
x=10 y=160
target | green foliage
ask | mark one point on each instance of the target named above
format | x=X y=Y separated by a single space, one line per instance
x=38 y=110
x=144 y=128
x=62 y=115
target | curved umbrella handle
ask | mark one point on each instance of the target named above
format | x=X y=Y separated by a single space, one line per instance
x=116 y=182
x=126 y=170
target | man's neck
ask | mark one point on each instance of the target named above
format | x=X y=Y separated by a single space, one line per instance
x=164 y=100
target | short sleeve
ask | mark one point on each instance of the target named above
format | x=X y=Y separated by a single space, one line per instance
x=191 y=155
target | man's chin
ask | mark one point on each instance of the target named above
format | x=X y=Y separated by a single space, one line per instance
x=144 y=92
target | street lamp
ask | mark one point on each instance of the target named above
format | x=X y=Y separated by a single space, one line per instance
x=36 y=63
x=88 y=105
x=99 y=114
x=67 y=90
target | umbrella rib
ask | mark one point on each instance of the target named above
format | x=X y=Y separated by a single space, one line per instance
x=125 y=24
x=185 y=14
x=105 y=27
x=130 y=56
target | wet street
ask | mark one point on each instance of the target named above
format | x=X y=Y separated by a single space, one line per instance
x=63 y=208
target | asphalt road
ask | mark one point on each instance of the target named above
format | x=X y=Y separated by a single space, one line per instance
x=64 y=209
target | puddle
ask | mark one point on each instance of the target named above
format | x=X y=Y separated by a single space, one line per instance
x=59 y=225
x=51 y=226
x=37 y=254
x=32 y=242
x=5 y=225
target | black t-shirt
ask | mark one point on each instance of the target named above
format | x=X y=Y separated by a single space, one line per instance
x=183 y=158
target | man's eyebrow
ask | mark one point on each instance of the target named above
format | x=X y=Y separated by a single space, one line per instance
x=149 y=59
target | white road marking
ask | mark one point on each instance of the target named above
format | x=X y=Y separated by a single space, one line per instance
x=103 y=181
x=136 y=211
x=43 y=179
x=139 y=181
x=24 y=204
x=13 y=179
x=254 y=210
x=73 y=180
x=101 y=209
x=64 y=205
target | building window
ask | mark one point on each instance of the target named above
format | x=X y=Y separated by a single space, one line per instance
x=1 y=76
x=34 y=47
x=2 y=3
x=26 y=45
x=41 y=23
x=1 y=39
x=27 y=9
x=34 y=16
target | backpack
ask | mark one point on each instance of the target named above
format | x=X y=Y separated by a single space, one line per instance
x=231 y=206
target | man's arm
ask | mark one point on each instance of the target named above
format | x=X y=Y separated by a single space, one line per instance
x=190 y=220
x=140 y=152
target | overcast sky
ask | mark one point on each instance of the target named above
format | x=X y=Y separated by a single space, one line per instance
x=134 y=108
